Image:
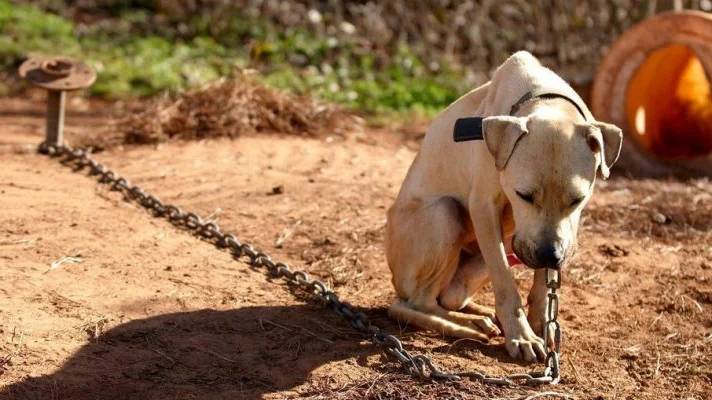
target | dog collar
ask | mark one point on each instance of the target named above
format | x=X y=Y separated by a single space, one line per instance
x=470 y=128
x=542 y=93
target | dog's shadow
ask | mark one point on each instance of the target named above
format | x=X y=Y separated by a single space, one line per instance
x=241 y=353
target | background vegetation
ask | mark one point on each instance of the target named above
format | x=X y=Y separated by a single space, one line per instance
x=374 y=55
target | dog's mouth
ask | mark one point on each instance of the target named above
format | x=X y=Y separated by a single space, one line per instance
x=519 y=260
x=522 y=255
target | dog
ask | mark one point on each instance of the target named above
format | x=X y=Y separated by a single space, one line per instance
x=464 y=206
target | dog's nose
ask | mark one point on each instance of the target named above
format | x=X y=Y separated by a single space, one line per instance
x=548 y=256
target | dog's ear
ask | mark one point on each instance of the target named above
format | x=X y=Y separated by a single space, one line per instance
x=501 y=135
x=605 y=139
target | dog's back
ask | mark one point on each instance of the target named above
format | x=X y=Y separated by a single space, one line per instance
x=519 y=74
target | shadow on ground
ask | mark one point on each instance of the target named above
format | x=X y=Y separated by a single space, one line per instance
x=234 y=354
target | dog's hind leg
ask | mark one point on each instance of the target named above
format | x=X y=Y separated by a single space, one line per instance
x=405 y=312
x=423 y=243
x=471 y=276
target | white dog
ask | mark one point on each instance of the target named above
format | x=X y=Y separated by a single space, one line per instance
x=464 y=206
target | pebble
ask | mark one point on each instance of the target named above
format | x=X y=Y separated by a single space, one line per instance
x=661 y=218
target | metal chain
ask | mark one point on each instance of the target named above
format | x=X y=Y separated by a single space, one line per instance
x=553 y=283
x=416 y=365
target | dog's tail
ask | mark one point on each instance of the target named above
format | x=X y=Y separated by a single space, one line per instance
x=404 y=313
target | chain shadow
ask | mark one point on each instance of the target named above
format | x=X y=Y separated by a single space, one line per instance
x=207 y=354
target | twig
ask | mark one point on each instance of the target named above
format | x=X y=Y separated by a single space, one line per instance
x=334 y=329
x=655 y=321
x=220 y=356
x=699 y=307
x=214 y=216
x=670 y=336
x=19 y=241
x=460 y=340
x=577 y=375
x=299 y=330
x=378 y=378
x=56 y=296
x=164 y=355
x=64 y=260
x=286 y=233
x=542 y=394
x=17 y=346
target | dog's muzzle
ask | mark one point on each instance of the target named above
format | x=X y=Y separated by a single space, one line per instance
x=548 y=256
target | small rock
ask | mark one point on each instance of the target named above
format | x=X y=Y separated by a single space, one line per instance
x=659 y=218
x=168 y=268
x=327 y=241
x=276 y=190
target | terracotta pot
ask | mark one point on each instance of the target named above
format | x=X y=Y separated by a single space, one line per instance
x=653 y=83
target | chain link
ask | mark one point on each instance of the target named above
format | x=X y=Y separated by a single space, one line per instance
x=416 y=365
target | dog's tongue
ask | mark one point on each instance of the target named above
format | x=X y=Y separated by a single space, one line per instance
x=513 y=260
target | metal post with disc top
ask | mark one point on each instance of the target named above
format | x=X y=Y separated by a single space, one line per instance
x=57 y=75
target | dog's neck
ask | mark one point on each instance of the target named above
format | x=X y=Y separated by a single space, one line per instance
x=470 y=128
x=543 y=93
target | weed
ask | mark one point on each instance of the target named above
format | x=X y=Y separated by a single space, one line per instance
x=135 y=57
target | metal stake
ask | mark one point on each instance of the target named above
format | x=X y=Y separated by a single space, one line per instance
x=57 y=75
x=56 y=101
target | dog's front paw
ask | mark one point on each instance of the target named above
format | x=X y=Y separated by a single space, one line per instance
x=521 y=341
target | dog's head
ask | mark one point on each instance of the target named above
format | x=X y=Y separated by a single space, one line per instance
x=548 y=165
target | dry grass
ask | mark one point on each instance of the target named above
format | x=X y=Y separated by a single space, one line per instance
x=229 y=108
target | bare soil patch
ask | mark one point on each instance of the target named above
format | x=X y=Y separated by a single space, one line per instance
x=141 y=309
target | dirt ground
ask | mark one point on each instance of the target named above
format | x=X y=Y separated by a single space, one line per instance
x=99 y=300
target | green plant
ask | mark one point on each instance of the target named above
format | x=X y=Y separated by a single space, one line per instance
x=26 y=30
x=135 y=56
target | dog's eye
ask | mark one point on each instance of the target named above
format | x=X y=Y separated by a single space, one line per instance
x=577 y=201
x=526 y=197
